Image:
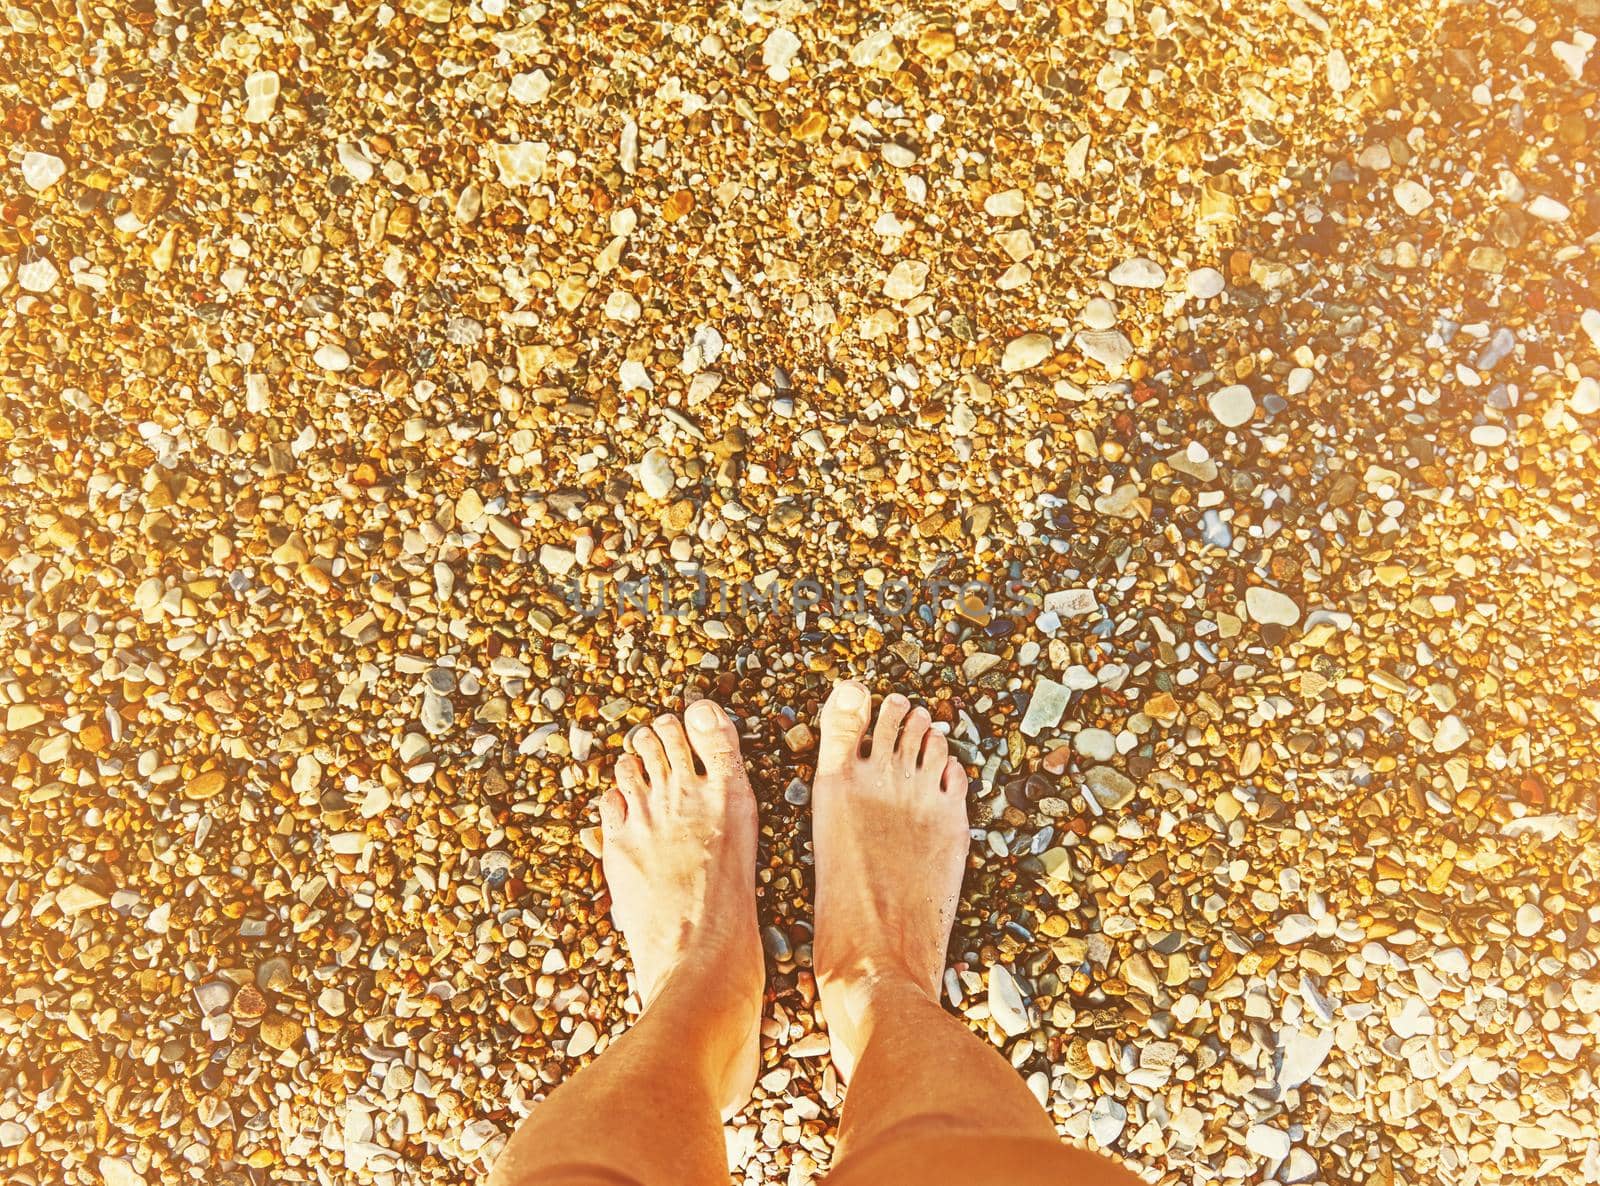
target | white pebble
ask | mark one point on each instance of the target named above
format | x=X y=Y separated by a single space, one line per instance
x=1585 y=996
x=331 y=357
x=307 y=774
x=1585 y=398
x=1590 y=321
x=1303 y=1055
x=39 y=275
x=622 y=306
x=558 y=562
x=1007 y=203
x=1294 y=928
x=1300 y=1166
x=1026 y=352
x=897 y=154
x=906 y=280
x=261 y=96
x=1232 y=405
x=531 y=88
x=1574 y=55
x=1110 y=347
x=1071 y=603
x=1265 y=1141
x=704 y=348
x=1338 y=72
x=119 y=1171
x=1138 y=272
x=1269 y=607
x=1547 y=209
x=1411 y=197
x=1106 y=1121
x=633 y=377
x=778 y=53
x=866 y=51
x=584 y=1037
x=1530 y=920
x=41 y=170
x=1080 y=679
x=1095 y=743
x=1375 y=157
x=656 y=476
x=1204 y=283
x=1450 y=736
x=355 y=161
x=521 y=164
x=1006 y=1006
x=1413 y=1019
x=1453 y=962
x=1099 y=314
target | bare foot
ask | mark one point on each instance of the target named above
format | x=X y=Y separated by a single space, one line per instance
x=890 y=834
x=679 y=859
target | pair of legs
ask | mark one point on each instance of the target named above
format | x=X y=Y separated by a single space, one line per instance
x=928 y=1101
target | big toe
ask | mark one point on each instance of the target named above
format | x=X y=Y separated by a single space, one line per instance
x=844 y=724
x=713 y=737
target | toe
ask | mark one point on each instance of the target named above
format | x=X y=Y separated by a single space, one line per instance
x=713 y=737
x=648 y=746
x=844 y=721
x=955 y=779
x=613 y=807
x=912 y=731
x=935 y=752
x=676 y=743
x=890 y=714
x=632 y=780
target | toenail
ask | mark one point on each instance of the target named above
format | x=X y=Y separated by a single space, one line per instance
x=704 y=713
x=849 y=694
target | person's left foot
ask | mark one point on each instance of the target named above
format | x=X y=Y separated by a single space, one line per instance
x=679 y=852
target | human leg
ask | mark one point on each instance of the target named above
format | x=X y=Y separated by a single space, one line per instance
x=928 y=1100
x=679 y=858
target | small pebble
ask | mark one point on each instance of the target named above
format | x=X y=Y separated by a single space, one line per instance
x=1006 y=1003
x=41 y=170
x=1411 y=197
x=655 y=475
x=1270 y=607
x=1026 y=352
x=1138 y=272
x=1232 y=405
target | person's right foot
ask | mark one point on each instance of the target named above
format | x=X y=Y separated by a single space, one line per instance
x=890 y=839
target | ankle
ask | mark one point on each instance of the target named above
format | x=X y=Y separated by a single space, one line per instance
x=709 y=1033
x=725 y=991
x=859 y=995
x=878 y=972
x=859 y=1002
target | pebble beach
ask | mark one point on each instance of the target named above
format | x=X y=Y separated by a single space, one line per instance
x=1194 y=404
